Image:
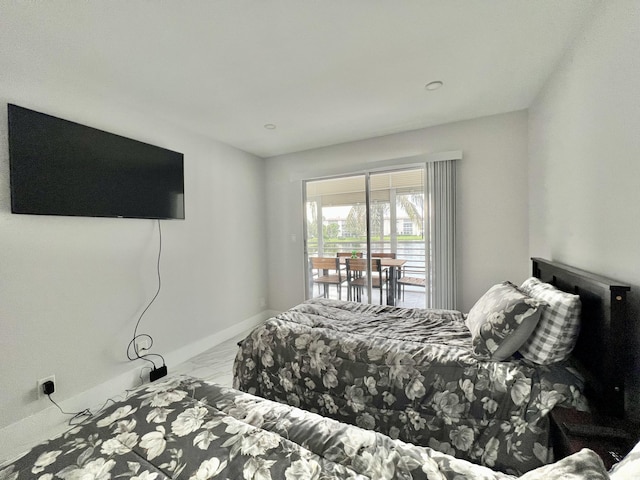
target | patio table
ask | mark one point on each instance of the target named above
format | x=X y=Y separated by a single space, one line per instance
x=393 y=265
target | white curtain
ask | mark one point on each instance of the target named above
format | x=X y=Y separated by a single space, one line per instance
x=441 y=234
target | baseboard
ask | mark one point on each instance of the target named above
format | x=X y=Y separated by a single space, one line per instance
x=18 y=437
x=178 y=356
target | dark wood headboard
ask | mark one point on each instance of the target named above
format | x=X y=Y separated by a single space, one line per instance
x=601 y=351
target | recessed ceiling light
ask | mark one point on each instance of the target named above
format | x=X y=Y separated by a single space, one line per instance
x=269 y=126
x=433 y=85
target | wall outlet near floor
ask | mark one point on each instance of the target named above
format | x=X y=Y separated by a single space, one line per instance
x=41 y=382
x=263 y=302
x=142 y=344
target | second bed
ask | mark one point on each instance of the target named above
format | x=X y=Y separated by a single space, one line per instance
x=418 y=375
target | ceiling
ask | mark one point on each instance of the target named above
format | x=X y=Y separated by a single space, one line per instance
x=323 y=72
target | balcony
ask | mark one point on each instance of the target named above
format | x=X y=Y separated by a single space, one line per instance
x=411 y=250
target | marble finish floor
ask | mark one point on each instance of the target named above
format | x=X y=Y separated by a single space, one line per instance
x=214 y=365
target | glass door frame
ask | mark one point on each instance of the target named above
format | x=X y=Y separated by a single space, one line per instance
x=367 y=190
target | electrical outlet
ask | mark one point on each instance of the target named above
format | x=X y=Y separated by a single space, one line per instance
x=41 y=382
x=142 y=344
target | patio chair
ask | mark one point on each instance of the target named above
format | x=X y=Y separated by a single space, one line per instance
x=326 y=271
x=343 y=255
x=388 y=255
x=357 y=279
x=408 y=279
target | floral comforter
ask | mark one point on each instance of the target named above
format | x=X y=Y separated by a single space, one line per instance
x=184 y=428
x=410 y=374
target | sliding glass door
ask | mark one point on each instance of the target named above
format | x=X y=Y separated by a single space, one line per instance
x=377 y=217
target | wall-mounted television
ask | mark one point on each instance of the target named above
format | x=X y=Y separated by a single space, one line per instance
x=59 y=167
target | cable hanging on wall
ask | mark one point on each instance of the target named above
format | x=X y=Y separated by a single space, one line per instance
x=133 y=351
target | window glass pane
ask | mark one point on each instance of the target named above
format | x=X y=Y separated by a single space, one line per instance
x=336 y=223
x=336 y=215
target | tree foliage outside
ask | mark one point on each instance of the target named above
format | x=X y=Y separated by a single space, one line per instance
x=356 y=221
x=331 y=230
x=312 y=220
x=412 y=204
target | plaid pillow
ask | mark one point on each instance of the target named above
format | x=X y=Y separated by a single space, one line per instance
x=557 y=332
x=501 y=320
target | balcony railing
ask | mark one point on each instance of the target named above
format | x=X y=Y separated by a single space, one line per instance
x=411 y=250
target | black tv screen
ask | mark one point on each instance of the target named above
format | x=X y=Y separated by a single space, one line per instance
x=58 y=167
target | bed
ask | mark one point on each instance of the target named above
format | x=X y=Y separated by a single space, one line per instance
x=185 y=428
x=423 y=377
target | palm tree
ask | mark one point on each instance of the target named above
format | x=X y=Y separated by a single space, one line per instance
x=412 y=204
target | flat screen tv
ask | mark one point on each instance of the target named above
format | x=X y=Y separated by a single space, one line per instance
x=58 y=167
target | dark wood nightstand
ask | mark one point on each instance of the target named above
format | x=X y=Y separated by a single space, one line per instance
x=612 y=442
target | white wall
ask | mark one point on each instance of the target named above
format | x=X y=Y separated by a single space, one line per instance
x=492 y=200
x=585 y=156
x=71 y=289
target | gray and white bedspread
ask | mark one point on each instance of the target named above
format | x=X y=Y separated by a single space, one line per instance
x=410 y=374
x=185 y=428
